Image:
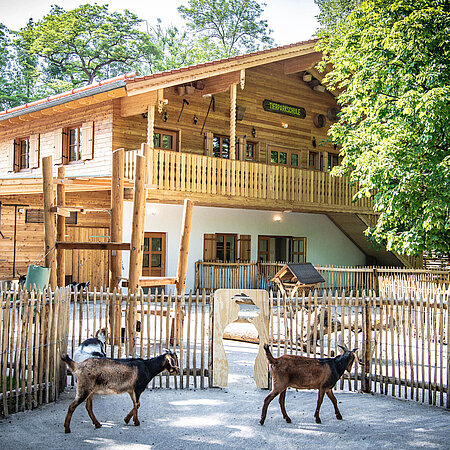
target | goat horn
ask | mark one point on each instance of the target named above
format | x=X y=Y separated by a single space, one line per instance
x=343 y=347
x=354 y=350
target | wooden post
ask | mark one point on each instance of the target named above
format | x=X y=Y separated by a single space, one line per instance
x=49 y=218
x=150 y=145
x=184 y=246
x=367 y=336
x=137 y=231
x=116 y=221
x=61 y=230
x=233 y=97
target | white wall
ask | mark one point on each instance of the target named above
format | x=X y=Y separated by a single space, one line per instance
x=325 y=243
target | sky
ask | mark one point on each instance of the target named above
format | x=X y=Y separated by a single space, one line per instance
x=291 y=20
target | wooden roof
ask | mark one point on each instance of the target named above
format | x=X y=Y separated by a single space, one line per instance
x=301 y=273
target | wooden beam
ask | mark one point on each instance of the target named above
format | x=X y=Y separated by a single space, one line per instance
x=132 y=106
x=233 y=98
x=184 y=246
x=60 y=210
x=61 y=229
x=92 y=245
x=156 y=281
x=49 y=218
x=137 y=230
x=116 y=219
x=301 y=63
x=221 y=83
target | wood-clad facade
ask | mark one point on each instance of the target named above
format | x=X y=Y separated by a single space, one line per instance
x=213 y=139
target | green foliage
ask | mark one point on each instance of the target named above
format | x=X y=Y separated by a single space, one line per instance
x=334 y=12
x=234 y=26
x=392 y=59
x=86 y=43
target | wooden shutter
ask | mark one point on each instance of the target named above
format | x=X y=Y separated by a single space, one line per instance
x=209 y=247
x=12 y=151
x=58 y=144
x=242 y=147
x=34 y=151
x=209 y=143
x=87 y=140
x=245 y=247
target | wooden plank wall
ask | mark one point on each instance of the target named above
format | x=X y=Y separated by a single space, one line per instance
x=264 y=82
x=100 y=114
x=30 y=236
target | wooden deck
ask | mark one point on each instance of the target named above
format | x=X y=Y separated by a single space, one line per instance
x=223 y=182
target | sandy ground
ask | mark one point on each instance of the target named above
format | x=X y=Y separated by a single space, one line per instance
x=229 y=418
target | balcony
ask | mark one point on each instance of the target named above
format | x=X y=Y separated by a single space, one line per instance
x=223 y=182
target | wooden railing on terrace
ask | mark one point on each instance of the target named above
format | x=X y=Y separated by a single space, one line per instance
x=191 y=173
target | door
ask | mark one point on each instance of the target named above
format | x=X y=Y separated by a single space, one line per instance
x=154 y=255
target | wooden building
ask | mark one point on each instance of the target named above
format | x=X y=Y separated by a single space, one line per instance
x=244 y=137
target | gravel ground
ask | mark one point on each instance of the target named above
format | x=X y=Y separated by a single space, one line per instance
x=229 y=418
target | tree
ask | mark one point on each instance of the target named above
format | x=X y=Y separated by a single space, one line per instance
x=392 y=59
x=234 y=26
x=86 y=43
x=334 y=12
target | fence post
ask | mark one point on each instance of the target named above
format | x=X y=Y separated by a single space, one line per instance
x=367 y=338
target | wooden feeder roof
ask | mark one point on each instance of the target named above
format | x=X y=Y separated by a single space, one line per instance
x=299 y=273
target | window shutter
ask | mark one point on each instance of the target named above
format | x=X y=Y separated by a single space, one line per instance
x=242 y=146
x=34 y=151
x=245 y=247
x=87 y=140
x=58 y=140
x=209 y=143
x=11 y=155
x=209 y=247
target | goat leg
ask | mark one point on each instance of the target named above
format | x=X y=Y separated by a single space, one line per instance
x=267 y=400
x=319 y=404
x=133 y=412
x=72 y=407
x=95 y=422
x=283 y=407
x=334 y=401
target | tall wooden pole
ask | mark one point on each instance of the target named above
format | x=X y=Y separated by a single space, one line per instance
x=116 y=220
x=184 y=246
x=49 y=218
x=150 y=145
x=61 y=230
x=233 y=98
x=137 y=230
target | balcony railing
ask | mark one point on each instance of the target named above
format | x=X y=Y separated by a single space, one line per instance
x=209 y=176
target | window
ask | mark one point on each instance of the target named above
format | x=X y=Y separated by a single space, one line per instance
x=165 y=139
x=333 y=160
x=74 y=136
x=313 y=160
x=24 y=153
x=37 y=216
x=221 y=147
x=74 y=144
x=282 y=248
x=250 y=151
x=285 y=156
x=226 y=247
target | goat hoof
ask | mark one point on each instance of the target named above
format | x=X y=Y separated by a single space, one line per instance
x=137 y=423
x=127 y=419
x=318 y=420
x=288 y=420
x=338 y=417
x=97 y=425
x=67 y=430
x=261 y=422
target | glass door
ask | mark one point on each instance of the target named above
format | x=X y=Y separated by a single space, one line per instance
x=154 y=255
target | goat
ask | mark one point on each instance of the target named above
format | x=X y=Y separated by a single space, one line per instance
x=301 y=372
x=92 y=347
x=115 y=376
x=22 y=280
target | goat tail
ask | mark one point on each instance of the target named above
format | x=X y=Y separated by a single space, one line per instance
x=271 y=359
x=70 y=362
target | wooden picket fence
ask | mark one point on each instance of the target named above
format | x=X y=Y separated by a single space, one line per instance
x=257 y=275
x=402 y=338
x=403 y=341
x=33 y=336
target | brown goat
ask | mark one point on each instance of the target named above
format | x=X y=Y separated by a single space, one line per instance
x=115 y=376
x=301 y=372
